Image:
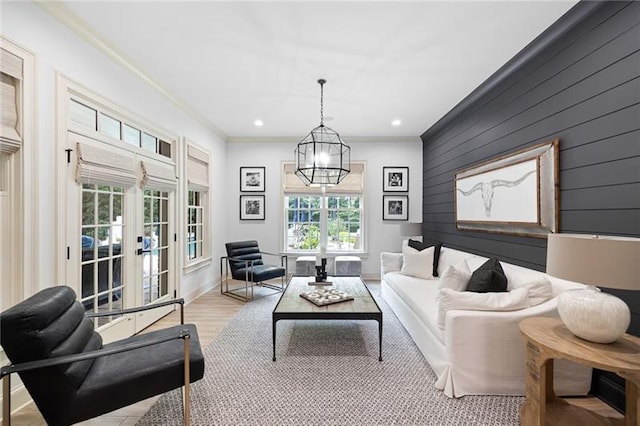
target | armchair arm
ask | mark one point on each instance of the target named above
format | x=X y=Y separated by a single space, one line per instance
x=140 y=309
x=68 y=359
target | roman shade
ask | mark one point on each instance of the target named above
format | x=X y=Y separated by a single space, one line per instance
x=197 y=169
x=10 y=83
x=353 y=183
x=107 y=166
x=157 y=175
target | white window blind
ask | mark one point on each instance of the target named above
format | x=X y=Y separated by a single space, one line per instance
x=104 y=166
x=158 y=175
x=353 y=183
x=197 y=169
x=10 y=78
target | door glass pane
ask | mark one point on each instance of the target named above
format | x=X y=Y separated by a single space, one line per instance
x=155 y=259
x=101 y=249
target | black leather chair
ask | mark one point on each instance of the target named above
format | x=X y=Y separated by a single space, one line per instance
x=244 y=259
x=72 y=376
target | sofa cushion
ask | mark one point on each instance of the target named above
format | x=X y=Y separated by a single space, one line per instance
x=418 y=245
x=420 y=297
x=467 y=300
x=488 y=278
x=417 y=263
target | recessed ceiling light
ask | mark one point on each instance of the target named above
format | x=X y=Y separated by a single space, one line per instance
x=258 y=123
x=396 y=123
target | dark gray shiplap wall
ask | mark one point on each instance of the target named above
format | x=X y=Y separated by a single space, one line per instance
x=582 y=88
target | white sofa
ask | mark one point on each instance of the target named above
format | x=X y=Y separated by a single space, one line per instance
x=478 y=352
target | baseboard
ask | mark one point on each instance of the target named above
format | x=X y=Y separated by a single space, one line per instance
x=193 y=295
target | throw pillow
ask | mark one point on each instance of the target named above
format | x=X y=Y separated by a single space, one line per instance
x=417 y=263
x=418 y=245
x=436 y=258
x=488 y=278
x=467 y=300
x=456 y=277
x=539 y=286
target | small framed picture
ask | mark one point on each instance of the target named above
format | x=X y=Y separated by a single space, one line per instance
x=252 y=179
x=395 y=179
x=252 y=207
x=395 y=207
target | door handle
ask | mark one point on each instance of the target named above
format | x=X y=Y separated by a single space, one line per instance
x=140 y=251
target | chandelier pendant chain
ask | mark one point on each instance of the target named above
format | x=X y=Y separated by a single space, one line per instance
x=321 y=81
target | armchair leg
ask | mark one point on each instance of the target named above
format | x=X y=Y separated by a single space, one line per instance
x=6 y=400
x=186 y=403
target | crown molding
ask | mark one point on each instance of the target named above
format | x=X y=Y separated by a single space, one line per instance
x=68 y=18
x=347 y=139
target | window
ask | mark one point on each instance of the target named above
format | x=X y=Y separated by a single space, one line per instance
x=332 y=218
x=89 y=117
x=197 y=221
x=195 y=225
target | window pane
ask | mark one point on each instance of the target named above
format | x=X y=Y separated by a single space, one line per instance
x=109 y=126
x=82 y=115
x=164 y=148
x=130 y=135
x=148 y=142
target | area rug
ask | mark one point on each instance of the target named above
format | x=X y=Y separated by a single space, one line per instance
x=326 y=373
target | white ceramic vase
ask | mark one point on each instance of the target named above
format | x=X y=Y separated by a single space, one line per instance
x=593 y=315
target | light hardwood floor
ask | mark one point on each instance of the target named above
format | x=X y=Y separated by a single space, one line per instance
x=210 y=313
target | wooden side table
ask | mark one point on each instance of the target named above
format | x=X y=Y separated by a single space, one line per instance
x=548 y=338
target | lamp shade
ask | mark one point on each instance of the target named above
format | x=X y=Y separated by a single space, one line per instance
x=606 y=261
x=410 y=229
x=612 y=262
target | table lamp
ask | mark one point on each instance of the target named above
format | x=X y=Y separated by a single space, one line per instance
x=411 y=229
x=607 y=261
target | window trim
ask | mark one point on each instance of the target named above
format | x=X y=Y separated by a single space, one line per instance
x=286 y=170
x=190 y=151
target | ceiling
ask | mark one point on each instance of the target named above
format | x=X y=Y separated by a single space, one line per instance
x=231 y=63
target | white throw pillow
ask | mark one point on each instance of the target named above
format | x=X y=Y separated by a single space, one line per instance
x=539 y=286
x=418 y=263
x=472 y=301
x=455 y=277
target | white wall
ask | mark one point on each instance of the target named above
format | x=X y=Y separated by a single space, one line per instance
x=58 y=49
x=381 y=235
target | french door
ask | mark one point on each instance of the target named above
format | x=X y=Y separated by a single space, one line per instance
x=120 y=228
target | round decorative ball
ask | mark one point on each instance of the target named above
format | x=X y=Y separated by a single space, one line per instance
x=593 y=315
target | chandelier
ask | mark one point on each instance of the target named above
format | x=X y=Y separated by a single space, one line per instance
x=322 y=158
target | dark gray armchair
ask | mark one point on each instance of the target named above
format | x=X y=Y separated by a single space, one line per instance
x=72 y=376
x=244 y=261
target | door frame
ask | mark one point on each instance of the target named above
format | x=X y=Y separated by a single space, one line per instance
x=64 y=159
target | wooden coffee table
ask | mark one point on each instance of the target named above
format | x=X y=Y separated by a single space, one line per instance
x=293 y=307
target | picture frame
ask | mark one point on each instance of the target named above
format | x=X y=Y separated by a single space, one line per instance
x=252 y=179
x=395 y=179
x=252 y=207
x=513 y=194
x=395 y=207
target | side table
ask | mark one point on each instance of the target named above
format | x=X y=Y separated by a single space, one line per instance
x=548 y=338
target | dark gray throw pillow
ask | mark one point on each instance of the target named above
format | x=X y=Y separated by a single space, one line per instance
x=488 y=278
x=436 y=258
x=418 y=245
